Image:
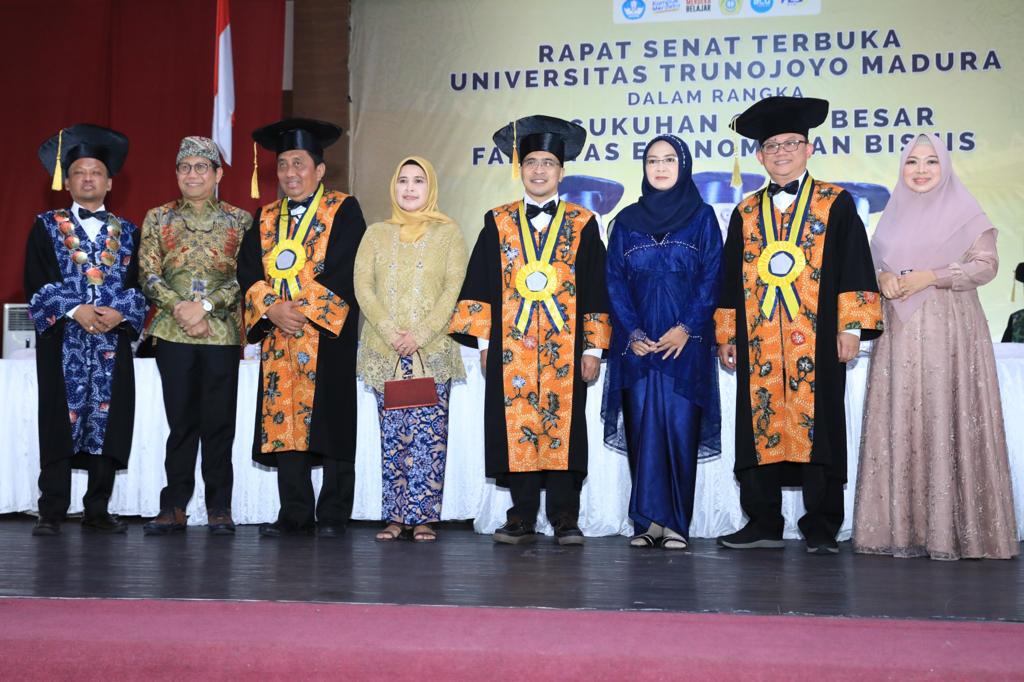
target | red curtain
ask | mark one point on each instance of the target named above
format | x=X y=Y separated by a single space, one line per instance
x=143 y=68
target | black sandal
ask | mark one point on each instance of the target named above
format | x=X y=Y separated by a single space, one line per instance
x=643 y=541
x=679 y=543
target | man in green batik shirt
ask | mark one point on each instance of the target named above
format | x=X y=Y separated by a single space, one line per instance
x=187 y=262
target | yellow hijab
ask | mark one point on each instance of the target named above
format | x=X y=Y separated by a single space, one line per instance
x=413 y=224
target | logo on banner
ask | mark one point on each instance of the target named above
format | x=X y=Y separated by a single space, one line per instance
x=663 y=6
x=633 y=9
x=730 y=6
x=698 y=6
x=761 y=6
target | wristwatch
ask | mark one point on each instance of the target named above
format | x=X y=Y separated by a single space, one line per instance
x=207 y=306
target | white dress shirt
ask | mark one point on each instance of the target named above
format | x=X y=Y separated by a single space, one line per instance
x=92 y=227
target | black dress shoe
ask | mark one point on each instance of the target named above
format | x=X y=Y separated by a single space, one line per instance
x=45 y=526
x=515 y=532
x=277 y=529
x=329 y=530
x=568 y=533
x=103 y=523
x=826 y=547
x=750 y=537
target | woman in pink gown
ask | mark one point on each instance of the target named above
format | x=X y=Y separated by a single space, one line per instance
x=933 y=478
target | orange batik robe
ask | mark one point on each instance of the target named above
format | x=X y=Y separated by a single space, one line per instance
x=540 y=300
x=307 y=396
x=790 y=385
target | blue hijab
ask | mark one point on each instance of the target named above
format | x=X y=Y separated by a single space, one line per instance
x=662 y=211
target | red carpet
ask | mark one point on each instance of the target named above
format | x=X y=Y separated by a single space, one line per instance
x=108 y=639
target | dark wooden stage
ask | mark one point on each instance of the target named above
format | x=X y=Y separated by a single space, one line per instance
x=466 y=569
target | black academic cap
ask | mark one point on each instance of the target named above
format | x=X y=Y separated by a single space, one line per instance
x=775 y=115
x=541 y=133
x=298 y=133
x=600 y=195
x=83 y=141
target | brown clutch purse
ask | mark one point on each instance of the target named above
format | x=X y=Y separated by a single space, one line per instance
x=400 y=394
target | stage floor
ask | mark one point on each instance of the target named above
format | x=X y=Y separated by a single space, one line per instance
x=466 y=569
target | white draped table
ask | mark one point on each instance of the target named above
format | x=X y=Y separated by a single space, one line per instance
x=468 y=494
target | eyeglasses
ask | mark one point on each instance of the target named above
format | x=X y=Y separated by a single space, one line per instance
x=546 y=164
x=200 y=167
x=774 y=147
x=667 y=161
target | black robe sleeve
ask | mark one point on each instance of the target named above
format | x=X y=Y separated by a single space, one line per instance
x=591 y=285
x=732 y=264
x=340 y=258
x=856 y=268
x=41 y=268
x=250 y=271
x=483 y=278
x=334 y=417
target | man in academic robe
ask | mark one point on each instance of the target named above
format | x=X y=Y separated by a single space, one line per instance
x=187 y=261
x=295 y=271
x=798 y=295
x=81 y=277
x=534 y=302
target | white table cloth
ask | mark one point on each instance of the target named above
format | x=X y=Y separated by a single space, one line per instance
x=468 y=494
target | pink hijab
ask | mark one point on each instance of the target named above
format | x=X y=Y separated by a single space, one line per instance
x=929 y=230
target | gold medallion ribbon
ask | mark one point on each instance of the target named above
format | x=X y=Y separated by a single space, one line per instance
x=537 y=279
x=782 y=260
x=289 y=254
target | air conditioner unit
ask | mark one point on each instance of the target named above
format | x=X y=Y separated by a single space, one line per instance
x=19 y=331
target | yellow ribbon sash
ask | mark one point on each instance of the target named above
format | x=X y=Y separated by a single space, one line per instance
x=289 y=254
x=537 y=279
x=782 y=260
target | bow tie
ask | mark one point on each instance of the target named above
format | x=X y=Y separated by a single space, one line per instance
x=532 y=210
x=85 y=214
x=299 y=207
x=788 y=188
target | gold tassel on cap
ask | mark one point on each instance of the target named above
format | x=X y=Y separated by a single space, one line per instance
x=515 y=153
x=737 y=176
x=254 y=189
x=58 y=175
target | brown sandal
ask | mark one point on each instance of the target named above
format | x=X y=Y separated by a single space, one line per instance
x=391 y=532
x=424 y=533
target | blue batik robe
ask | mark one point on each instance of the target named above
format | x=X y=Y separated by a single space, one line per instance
x=86 y=381
x=664 y=413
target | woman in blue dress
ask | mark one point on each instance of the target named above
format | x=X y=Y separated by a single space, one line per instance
x=661 y=406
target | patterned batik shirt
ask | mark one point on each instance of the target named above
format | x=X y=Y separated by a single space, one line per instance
x=190 y=254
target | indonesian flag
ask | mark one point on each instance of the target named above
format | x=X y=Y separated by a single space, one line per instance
x=223 y=84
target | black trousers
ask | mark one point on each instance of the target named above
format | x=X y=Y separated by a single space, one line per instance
x=761 y=499
x=563 y=496
x=295 y=488
x=200 y=387
x=55 y=487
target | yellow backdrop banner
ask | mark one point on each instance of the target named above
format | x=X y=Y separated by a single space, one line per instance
x=438 y=78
